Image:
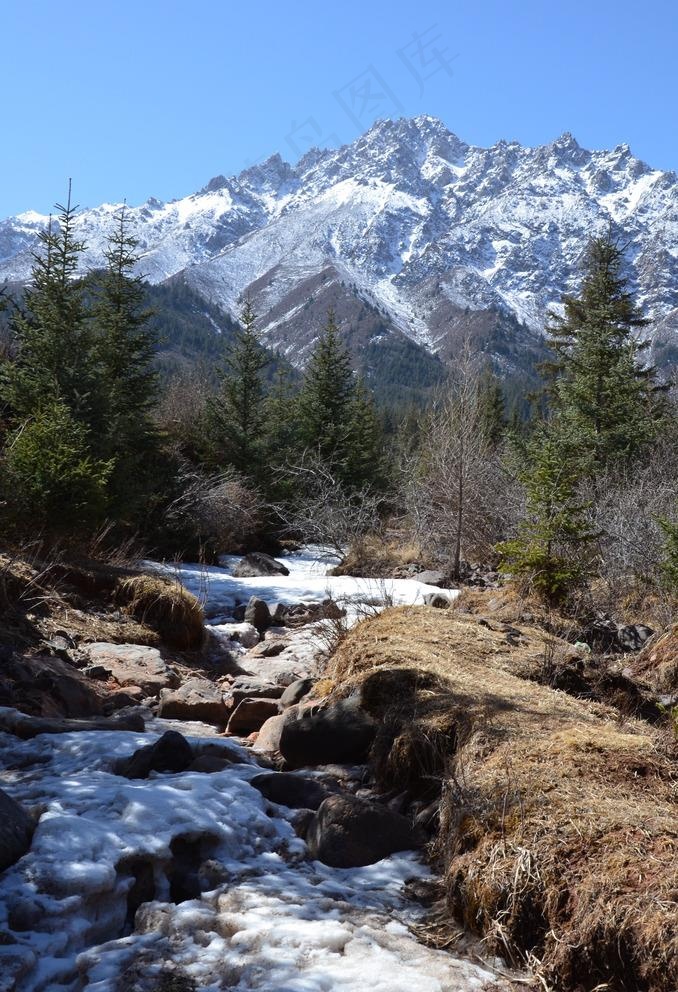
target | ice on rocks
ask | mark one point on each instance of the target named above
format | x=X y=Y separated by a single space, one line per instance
x=268 y=918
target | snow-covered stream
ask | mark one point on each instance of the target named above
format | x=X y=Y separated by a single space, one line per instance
x=268 y=918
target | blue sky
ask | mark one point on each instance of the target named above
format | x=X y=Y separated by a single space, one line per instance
x=154 y=97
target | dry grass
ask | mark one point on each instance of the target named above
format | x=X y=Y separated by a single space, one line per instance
x=657 y=664
x=165 y=606
x=376 y=556
x=558 y=834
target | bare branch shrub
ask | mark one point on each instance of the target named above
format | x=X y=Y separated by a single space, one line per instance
x=218 y=512
x=456 y=489
x=625 y=509
x=324 y=511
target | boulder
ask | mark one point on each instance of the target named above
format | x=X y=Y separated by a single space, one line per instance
x=209 y=763
x=133 y=664
x=250 y=714
x=258 y=614
x=294 y=693
x=431 y=578
x=439 y=600
x=268 y=738
x=290 y=790
x=252 y=686
x=16 y=830
x=633 y=636
x=196 y=699
x=24 y=726
x=170 y=753
x=48 y=686
x=348 y=832
x=340 y=733
x=258 y=564
x=244 y=633
x=269 y=648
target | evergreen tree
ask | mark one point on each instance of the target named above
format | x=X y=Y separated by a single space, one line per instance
x=553 y=548
x=325 y=401
x=51 y=479
x=52 y=331
x=128 y=385
x=670 y=564
x=237 y=414
x=365 y=464
x=598 y=382
x=492 y=406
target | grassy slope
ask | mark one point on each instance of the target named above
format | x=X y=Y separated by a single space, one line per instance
x=558 y=832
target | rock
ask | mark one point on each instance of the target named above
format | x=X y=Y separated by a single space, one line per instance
x=170 y=753
x=258 y=614
x=439 y=600
x=268 y=649
x=16 y=830
x=250 y=714
x=291 y=790
x=657 y=663
x=196 y=699
x=48 y=686
x=431 y=578
x=24 y=726
x=268 y=738
x=258 y=564
x=293 y=693
x=340 y=733
x=244 y=633
x=347 y=832
x=209 y=763
x=252 y=686
x=133 y=664
x=304 y=613
x=633 y=636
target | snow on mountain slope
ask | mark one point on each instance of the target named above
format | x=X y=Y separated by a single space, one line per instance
x=411 y=220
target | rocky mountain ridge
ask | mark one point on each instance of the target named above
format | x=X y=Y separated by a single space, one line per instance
x=415 y=237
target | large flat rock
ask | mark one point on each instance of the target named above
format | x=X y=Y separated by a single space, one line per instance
x=196 y=699
x=133 y=664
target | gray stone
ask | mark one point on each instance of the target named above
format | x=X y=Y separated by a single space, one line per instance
x=431 y=578
x=438 y=600
x=196 y=699
x=340 y=733
x=250 y=715
x=348 y=832
x=133 y=664
x=258 y=564
x=290 y=790
x=258 y=614
x=294 y=693
x=16 y=830
x=170 y=753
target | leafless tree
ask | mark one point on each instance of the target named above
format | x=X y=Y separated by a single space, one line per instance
x=324 y=511
x=220 y=511
x=456 y=489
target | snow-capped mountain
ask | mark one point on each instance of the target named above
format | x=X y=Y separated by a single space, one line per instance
x=410 y=233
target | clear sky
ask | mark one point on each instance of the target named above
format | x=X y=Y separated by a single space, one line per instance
x=139 y=98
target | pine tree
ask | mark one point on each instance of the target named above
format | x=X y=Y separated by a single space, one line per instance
x=492 y=406
x=326 y=397
x=237 y=415
x=52 y=331
x=365 y=463
x=128 y=386
x=670 y=563
x=598 y=382
x=553 y=548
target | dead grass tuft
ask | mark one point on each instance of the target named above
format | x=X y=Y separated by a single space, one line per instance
x=376 y=556
x=558 y=836
x=657 y=663
x=165 y=606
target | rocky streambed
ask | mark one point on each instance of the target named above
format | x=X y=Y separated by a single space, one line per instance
x=177 y=858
